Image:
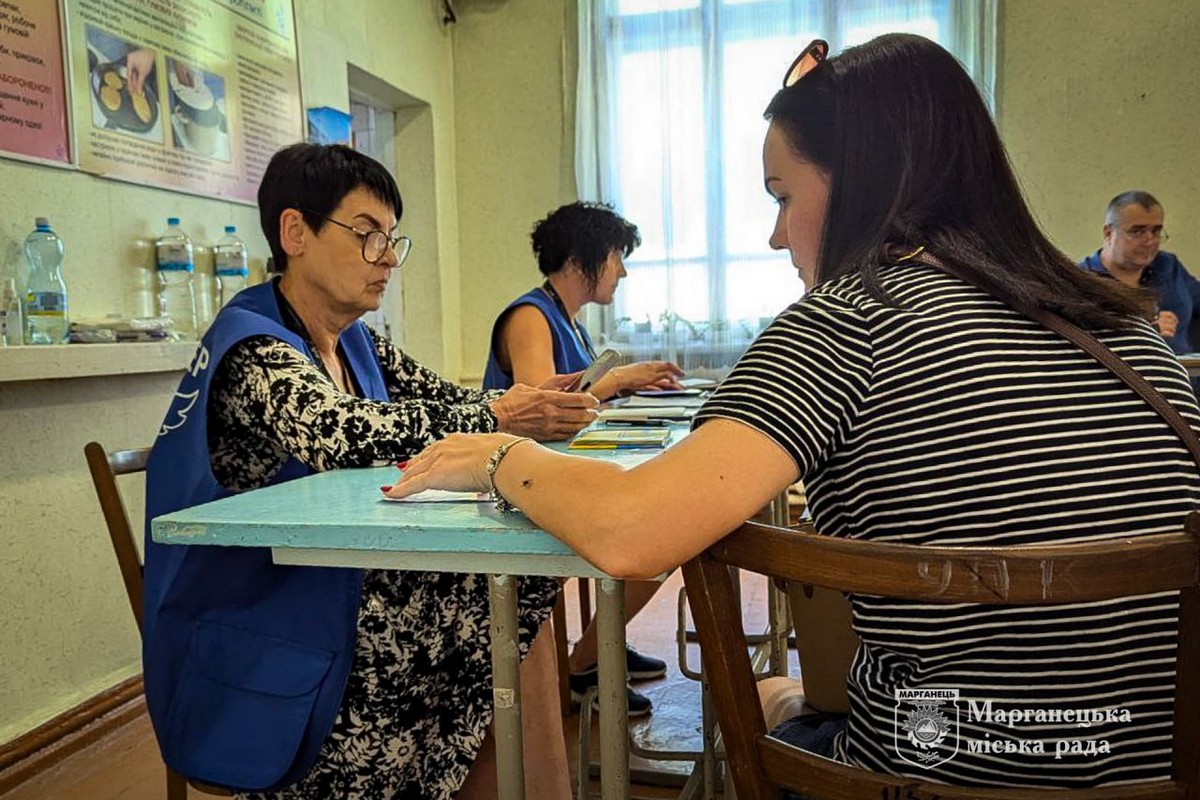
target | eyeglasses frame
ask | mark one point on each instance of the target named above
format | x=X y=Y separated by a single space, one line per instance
x=1161 y=234
x=365 y=237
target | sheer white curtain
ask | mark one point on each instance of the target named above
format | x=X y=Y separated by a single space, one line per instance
x=669 y=130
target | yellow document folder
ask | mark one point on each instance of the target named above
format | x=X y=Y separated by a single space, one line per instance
x=608 y=439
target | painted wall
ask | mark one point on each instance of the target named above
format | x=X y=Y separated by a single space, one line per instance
x=404 y=44
x=514 y=75
x=1100 y=96
x=66 y=632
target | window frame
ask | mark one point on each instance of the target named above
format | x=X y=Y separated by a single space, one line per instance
x=712 y=25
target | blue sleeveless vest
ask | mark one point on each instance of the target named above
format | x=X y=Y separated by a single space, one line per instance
x=569 y=354
x=245 y=661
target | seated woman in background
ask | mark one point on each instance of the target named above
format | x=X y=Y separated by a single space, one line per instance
x=580 y=248
x=305 y=682
x=918 y=409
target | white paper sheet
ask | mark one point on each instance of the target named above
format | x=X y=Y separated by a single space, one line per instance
x=441 y=496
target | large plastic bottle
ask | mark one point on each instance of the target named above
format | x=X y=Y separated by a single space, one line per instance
x=232 y=266
x=175 y=267
x=46 y=294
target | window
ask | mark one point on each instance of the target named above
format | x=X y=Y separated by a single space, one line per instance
x=670 y=130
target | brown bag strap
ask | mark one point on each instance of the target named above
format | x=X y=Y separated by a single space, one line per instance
x=1097 y=350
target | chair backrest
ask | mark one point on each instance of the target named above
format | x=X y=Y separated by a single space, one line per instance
x=105 y=467
x=1041 y=575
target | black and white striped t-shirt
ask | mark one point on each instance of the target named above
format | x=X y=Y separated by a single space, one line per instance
x=953 y=420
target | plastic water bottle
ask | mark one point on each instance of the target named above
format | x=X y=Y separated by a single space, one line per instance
x=175 y=267
x=12 y=329
x=232 y=266
x=46 y=294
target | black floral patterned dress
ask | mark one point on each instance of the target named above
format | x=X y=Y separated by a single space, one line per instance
x=418 y=700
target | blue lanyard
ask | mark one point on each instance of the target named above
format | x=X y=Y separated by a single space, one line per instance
x=583 y=340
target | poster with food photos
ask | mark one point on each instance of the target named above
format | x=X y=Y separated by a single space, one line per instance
x=192 y=95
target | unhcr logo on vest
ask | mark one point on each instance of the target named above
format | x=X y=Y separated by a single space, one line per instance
x=926 y=726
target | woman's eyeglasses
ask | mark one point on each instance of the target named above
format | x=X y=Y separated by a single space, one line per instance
x=808 y=60
x=375 y=243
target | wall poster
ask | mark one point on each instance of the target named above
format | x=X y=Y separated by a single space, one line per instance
x=193 y=95
x=33 y=92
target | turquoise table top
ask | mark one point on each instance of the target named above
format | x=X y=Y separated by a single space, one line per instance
x=338 y=518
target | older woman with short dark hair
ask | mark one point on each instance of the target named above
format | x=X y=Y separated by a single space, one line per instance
x=298 y=682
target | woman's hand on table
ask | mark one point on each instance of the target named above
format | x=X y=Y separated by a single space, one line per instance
x=543 y=414
x=457 y=463
x=641 y=375
x=648 y=375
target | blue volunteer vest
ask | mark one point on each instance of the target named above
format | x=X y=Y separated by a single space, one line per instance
x=245 y=661
x=569 y=354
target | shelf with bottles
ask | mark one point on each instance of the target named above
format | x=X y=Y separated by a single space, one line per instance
x=64 y=361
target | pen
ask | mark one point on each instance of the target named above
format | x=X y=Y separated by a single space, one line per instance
x=640 y=423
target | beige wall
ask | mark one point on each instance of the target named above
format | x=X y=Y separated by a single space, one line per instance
x=514 y=75
x=1100 y=96
x=403 y=43
x=1095 y=96
x=66 y=632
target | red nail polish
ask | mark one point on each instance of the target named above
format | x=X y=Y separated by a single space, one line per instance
x=385 y=488
x=402 y=464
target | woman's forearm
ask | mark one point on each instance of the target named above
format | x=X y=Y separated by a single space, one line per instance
x=601 y=524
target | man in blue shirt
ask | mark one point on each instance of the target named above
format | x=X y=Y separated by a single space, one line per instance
x=1133 y=233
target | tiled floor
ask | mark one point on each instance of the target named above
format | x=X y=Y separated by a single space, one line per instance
x=125 y=766
x=675 y=723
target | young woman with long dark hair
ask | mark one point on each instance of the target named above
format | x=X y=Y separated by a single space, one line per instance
x=920 y=405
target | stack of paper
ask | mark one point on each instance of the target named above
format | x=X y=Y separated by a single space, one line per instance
x=110 y=329
x=442 y=496
x=668 y=393
x=650 y=401
x=638 y=413
x=620 y=439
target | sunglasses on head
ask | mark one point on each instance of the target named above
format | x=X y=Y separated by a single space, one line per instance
x=808 y=60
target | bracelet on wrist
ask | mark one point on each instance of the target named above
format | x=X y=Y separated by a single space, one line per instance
x=493 y=463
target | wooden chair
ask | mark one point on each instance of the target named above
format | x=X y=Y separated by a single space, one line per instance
x=1041 y=575
x=558 y=618
x=105 y=467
